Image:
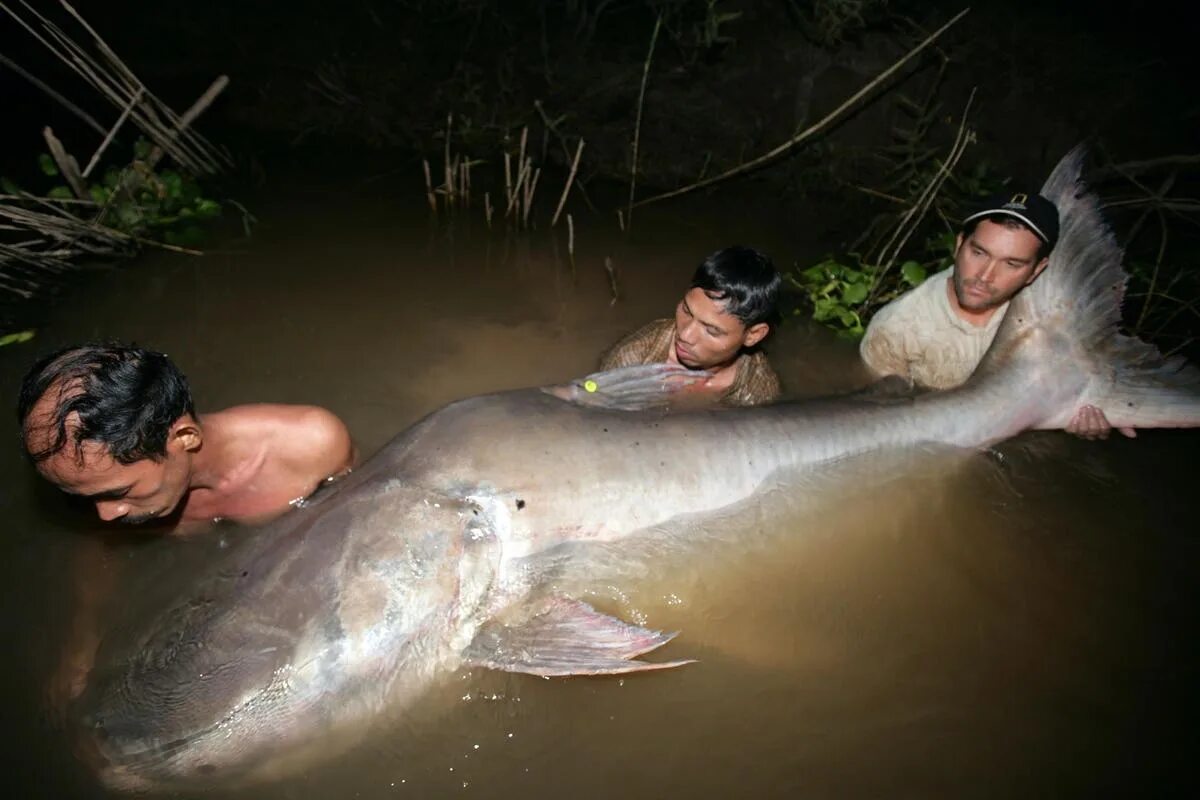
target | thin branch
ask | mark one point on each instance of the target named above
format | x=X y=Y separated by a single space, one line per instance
x=637 y=127
x=812 y=130
x=58 y=98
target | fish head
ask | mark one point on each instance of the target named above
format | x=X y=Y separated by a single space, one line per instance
x=292 y=649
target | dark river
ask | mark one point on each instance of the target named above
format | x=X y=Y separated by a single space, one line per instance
x=1011 y=624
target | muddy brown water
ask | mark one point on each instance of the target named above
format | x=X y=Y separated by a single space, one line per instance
x=1012 y=624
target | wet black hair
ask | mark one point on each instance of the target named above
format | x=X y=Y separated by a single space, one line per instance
x=1008 y=221
x=745 y=280
x=124 y=397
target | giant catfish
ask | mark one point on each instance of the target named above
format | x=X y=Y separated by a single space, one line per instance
x=439 y=551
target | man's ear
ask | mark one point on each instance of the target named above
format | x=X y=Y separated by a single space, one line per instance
x=185 y=434
x=1038 y=270
x=755 y=334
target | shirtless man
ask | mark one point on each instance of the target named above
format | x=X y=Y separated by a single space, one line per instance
x=117 y=425
x=718 y=325
x=935 y=335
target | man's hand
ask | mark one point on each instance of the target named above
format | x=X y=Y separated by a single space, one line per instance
x=1089 y=422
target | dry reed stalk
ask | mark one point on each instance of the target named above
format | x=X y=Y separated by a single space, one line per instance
x=621 y=220
x=487 y=208
x=507 y=178
x=612 y=280
x=67 y=165
x=188 y=117
x=532 y=187
x=517 y=193
x=571 y=239
x=570 y=179
x=524 y=137
x=429 y=195
x=95 y=159
x=637 y=127
x=813 y=129
x=447 y=176
x=466 y=190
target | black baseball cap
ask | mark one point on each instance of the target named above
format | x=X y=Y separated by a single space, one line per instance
x=1030 y=208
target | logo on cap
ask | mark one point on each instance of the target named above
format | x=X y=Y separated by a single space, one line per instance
x=1018 y=201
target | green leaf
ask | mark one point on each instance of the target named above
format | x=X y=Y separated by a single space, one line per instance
x=16 y=338
x=129 y=216
x=172 y=182
x=9 y=187
x=814 y=274
x=141 y=149
x=47 y=164
x=914 y=273
x=207 y=208
x=854 y=293
x=60 y=193
x=99 y=194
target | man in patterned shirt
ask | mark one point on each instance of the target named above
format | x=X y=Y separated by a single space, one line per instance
x=718 y=326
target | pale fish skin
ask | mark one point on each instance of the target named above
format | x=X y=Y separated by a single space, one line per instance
x=441 y=551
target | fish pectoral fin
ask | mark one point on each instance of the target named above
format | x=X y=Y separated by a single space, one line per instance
x=568 y=638
x=638 y=388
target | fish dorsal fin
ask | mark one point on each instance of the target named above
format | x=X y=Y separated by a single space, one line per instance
x=637 y=388
x=568 y=637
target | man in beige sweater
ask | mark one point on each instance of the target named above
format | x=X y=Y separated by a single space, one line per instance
x=935 y=335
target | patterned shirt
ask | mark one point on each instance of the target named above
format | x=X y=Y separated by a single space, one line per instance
x=754 y=383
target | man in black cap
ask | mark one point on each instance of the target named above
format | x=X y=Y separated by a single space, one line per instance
x=935 y=335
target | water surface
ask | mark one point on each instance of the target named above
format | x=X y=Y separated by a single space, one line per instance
x=1009 y=624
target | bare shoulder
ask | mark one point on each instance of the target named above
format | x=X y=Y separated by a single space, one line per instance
x=297 y=434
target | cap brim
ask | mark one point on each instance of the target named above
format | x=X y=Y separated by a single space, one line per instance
x=1008 y=212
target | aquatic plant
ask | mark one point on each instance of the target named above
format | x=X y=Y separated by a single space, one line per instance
x=136 y=200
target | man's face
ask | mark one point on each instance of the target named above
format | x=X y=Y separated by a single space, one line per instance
x=706 y=335
x=993 y=263
x=128 y=493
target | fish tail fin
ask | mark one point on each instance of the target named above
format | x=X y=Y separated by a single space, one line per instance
x=1074 y=310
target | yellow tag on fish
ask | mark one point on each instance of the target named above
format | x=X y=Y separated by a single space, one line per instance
x=590 y=386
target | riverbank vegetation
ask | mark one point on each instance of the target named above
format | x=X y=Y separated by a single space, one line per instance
x=864 y=126
x=138 y=189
